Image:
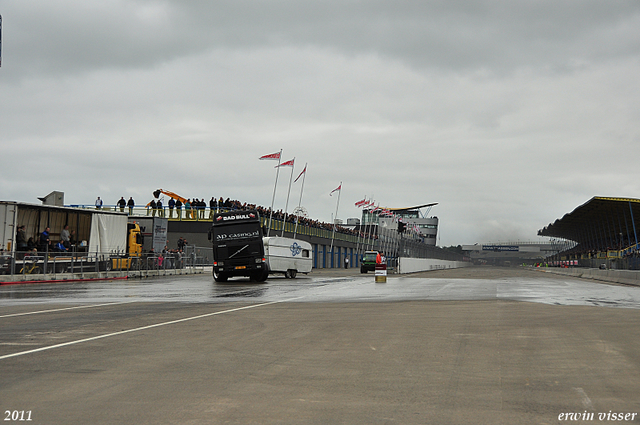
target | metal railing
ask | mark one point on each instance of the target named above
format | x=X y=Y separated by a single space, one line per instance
x=206 y=214
x=81 y=265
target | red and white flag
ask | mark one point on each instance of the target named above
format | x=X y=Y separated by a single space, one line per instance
x=275 y=156
x=286 y=164
x=336 y=189
x=303 y=171
x=361 y=203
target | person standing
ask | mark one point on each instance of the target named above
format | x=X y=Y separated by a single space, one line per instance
x=131 y=203
x=213 y=204
x=195 y=206
x=172 y=204
x=44 y=242
x=187 y=209
x=122 y=203
x=152 y=205
x=179 y=209
x=21 y=239
x=160 y=209
x=201 y=207
x=98 y=203
x=65 y=236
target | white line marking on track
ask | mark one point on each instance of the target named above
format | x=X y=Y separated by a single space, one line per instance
x=586 y=401
x=172 y=322
x=63 y=309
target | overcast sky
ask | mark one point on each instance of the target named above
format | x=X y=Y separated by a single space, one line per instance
x=508 y=114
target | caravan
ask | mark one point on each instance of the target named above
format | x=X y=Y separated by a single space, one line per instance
x=288 y=256
x=240 y=250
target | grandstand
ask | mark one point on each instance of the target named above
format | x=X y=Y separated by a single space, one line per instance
x=604 y=230
x=515 y=253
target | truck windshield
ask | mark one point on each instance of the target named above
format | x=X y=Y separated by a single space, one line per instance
x=370 y=256
x=236 y=232
x=238 y=251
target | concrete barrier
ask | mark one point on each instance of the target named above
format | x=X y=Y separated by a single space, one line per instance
x=413 y=265
x=88 y=276
x=627 y=277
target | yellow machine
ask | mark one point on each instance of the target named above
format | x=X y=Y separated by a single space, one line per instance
x=134 y=249
x=156 y=194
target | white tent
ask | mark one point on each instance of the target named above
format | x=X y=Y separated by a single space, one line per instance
x=108 y=233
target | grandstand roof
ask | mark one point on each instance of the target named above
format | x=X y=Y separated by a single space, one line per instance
x=599 y=222
x=412 y=208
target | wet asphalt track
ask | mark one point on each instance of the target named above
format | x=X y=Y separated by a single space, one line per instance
x=335 y=286
x=456 y=346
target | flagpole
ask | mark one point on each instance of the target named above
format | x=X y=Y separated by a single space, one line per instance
x=334 y=222
x=273 y=198
x=367 y=228
x=398 y=239
x=373 y=241
x=359 y=234
x=295 y=231
x=286 y=205
x=396 y=244
x=369 y=243
x=362 y=230
x=382 y=239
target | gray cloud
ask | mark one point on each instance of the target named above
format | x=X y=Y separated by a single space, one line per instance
x=509 y=114
x=493 y=35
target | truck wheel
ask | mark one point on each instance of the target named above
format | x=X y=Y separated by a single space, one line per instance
x=292 y=273
x=362 y=270
x=220 y=277
x=259 y=276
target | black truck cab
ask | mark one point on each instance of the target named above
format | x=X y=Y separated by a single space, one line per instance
x=238 y=249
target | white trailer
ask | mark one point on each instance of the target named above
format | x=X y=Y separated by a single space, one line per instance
x=287 y=256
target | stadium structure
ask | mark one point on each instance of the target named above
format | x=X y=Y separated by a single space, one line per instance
x=515 y=253
x=418 y=224
x=604 y=232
